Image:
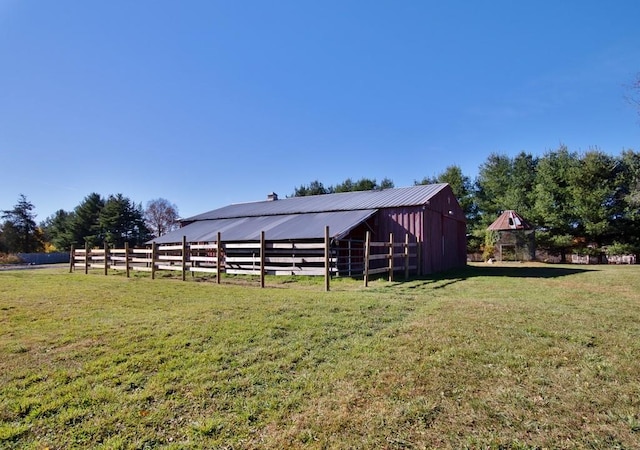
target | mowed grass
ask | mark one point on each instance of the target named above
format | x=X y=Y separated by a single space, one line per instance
x=504 y=357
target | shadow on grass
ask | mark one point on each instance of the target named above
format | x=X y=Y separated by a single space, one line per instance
x=454 y=276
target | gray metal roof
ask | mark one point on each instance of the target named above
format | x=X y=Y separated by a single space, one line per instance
x=276 y=227
x=346 y=201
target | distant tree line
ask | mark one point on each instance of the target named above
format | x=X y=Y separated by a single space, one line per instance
x=576 y=201
x=348 y=185
x=114 y=220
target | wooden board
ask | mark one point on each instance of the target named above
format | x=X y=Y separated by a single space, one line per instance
x=163 y=248
x=203 y=269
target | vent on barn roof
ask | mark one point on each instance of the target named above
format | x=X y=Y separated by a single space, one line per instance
x=272 y=197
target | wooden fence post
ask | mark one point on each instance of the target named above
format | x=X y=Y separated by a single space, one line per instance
x=154 y=249
x=106 y=258
x=184 y=258
x=218 y=258
x=126 y=258
x=390 y=256
x=86 y=257
x=419 y=257
x=72 y=255
x=367 y=251
x=327 y=259
x=406 y=256
x=262 y=258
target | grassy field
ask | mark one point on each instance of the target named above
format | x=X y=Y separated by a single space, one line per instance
x=504 y=357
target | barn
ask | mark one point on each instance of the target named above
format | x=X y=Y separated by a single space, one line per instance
x=427 y=216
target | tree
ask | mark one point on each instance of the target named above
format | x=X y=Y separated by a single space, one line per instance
x=521 y=192
x=58 y=229
x=19 y=230
x=363 y=184
x=492 y=187
x=314 y=188
x=386 y=183
x=554 y=198
x=161 y=216
x=84 y=226
x=121 y=221
x=594 y=199
x=348 y=185
x=627 y=223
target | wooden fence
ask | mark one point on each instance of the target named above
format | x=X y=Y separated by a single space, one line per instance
x=255 y=258
x=603 y=259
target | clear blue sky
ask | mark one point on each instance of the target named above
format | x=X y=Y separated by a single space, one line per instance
x=207 y=103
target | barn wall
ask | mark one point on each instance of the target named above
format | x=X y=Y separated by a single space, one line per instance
x=445 y=234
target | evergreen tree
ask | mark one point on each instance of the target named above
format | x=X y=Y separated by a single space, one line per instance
x=314 y=188
x=19 y=230
x=627 y=223
x=84 y=225
x=492 y=188
x=120 y=221
x=553 y=206
x=593 y=188
x=58 y=230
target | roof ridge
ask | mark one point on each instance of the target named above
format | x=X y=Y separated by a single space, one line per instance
x=332 y=202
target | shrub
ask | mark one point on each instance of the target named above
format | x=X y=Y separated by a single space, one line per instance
x=7 y=258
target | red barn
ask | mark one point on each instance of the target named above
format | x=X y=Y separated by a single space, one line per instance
x=427 y=215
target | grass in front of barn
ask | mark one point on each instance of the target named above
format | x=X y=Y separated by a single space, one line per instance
x=517 y=356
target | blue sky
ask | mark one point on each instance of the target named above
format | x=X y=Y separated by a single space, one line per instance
x=207 y=103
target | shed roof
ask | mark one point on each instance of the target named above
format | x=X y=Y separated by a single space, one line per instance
x=276 y=227
x=510 y=220
x=344 y=201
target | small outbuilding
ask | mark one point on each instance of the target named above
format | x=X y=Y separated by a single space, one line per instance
x=514 y=238
x=426 y=216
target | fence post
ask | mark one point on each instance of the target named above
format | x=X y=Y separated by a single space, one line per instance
x=390 y=256
x=106 y=258
x=419 y=257
x=327 y=260
x=86 y=257
x=126 y=258
x=262 y=258
x=72 y=255
x=218 y=258
x=154 y=249
x=406 y=256
x=367 y=251
x=184 y=258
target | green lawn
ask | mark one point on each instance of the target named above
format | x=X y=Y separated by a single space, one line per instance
x=504 y=357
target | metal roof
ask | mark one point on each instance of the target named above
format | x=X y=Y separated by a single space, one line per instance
x=510 y=220
x=276 y=227
x=345 y=201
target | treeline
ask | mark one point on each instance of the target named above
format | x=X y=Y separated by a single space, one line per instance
x=114 y=220
x=576 y=201
x=349 y=185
